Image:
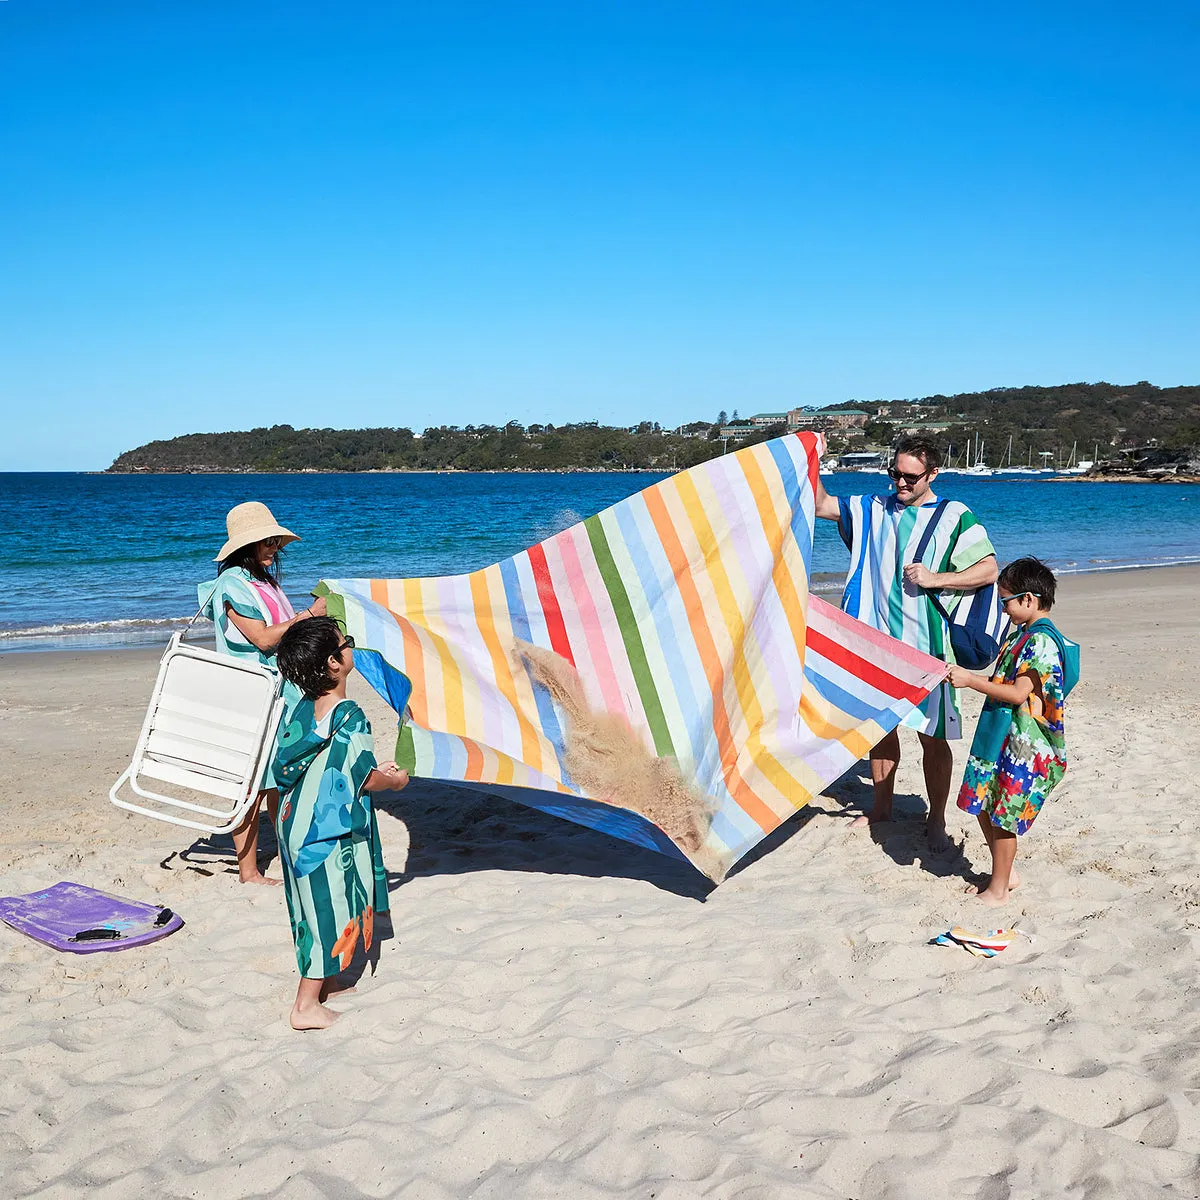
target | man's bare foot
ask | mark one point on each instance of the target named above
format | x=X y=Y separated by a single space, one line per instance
x=870 y=818
x=939 y=839
x=993 y=899
x=259 y=877
x=315 y=1016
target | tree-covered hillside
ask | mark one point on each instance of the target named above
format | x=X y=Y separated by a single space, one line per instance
x=1051 y=419
x=1113 y=417
x=587 y=446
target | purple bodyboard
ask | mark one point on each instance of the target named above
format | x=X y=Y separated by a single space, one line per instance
x=81 y=920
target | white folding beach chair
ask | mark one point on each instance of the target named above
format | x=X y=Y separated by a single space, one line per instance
x=208 y=732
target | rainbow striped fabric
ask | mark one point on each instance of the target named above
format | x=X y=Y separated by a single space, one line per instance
x=686 y=611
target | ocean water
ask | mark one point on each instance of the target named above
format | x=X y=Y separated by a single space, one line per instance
x=95 y=561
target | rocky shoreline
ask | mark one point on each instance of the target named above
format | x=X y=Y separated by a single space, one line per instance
x=1164 y=476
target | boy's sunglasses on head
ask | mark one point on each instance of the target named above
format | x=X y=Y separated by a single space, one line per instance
x=912 y=480
x=1006 y=600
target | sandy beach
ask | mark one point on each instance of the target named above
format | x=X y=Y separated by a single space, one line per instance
x=554 y=1013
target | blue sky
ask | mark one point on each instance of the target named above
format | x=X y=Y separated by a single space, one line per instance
x=222 y=215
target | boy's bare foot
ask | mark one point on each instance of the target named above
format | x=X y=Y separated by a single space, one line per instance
x=315 y=1016
x=870 y=819
x=978 y=889
x=993 y=899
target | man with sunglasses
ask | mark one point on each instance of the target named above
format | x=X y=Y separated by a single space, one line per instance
x=903 y=546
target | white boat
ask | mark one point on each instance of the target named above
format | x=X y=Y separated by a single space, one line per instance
x=1071 y=468
x=978 y=469
x=1029 y=469
x=1082 y=467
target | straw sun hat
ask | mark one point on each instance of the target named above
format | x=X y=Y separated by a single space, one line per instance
x=251 y=522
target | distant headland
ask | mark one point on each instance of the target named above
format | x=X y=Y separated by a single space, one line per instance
x=1121 y=432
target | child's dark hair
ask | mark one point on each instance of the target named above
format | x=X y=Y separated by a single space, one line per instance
x=1030 y=575
x=304 y=653
x=919 y=446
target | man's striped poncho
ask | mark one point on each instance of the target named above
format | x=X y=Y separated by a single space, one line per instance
x=883 y=537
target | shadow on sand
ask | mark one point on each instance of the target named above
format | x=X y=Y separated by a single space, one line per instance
x=902 y=838
x=213 y=854
x=456 y=831
x=453 y=831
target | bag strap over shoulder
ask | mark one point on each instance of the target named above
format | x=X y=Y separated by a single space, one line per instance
x=929 y=530
x=923 y=545
x=1042 y=625
x=1068 y=651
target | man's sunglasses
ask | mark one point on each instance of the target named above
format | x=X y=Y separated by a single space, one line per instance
x=348 y=644
x=1005 y=601
x=912 y=480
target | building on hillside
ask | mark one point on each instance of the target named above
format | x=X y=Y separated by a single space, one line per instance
x=915 y=427
x=823 y=419
x=845 y=418
x=827 y=418
x=803 y=418
x=738 y=430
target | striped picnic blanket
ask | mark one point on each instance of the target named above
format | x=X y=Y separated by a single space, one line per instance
x=685 y=613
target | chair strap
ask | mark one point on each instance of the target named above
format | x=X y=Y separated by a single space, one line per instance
x=196 y=615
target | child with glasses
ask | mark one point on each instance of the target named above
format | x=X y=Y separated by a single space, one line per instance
x=325 y=766
x=1019 y=752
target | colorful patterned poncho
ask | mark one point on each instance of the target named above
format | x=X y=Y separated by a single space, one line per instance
x=333 y=870
x=658 y=671
x=1010 y=787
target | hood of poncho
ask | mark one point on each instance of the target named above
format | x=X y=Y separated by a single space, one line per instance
x=299 y=743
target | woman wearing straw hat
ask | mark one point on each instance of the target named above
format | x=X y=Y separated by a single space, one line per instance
x=250 y=613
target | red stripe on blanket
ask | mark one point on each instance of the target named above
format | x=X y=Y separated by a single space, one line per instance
x=878 y=678
x=549 y=602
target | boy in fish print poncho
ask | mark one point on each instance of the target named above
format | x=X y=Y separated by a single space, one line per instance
x=1019 y=752
x=325 y=766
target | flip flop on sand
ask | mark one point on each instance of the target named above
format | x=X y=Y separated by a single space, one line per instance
x=949 y=939
x=986 y=945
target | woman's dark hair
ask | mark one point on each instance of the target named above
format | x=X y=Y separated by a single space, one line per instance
x=304 y=652
x=246 y=557
x=919 y=446
x=1030 y=575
